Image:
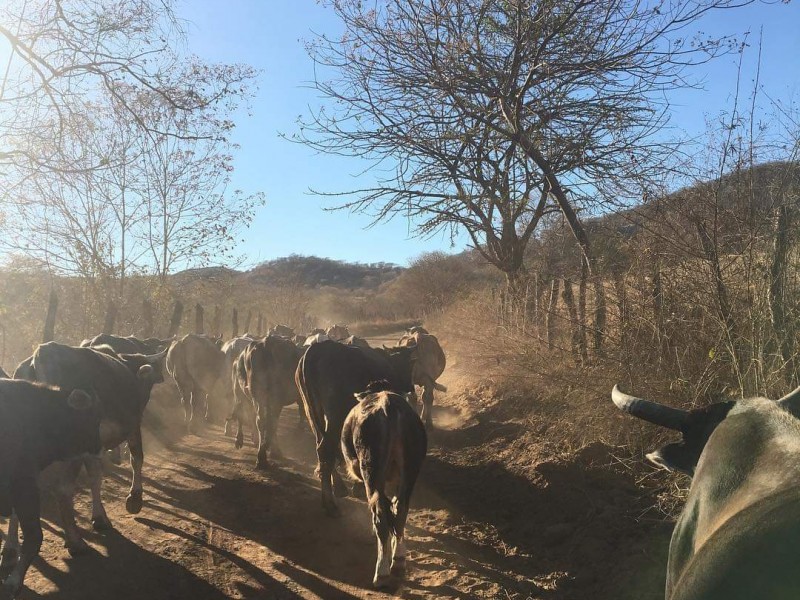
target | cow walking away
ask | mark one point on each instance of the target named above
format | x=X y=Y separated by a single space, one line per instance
x=428 y=367
x=232 y=349
x=128 y=344
x=197 y=363
x=39 y=424
x=384 y=444
x=328 y=376
x=264 y=374
x=738 y=534
x=122 y=385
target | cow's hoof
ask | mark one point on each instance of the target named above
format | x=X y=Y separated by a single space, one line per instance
x=102 y=524
x=133 y=503
x=239 y=443
x=262 y=465
x=382 y=582
x=78 y=548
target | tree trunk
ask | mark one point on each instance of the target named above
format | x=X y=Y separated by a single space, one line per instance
x=600 y=316
x=622 y=310
x=569 y=301
x=781 y=326
x=111 y=318
x=177 y=317
x=49 y=332
x=658 y=303
x=235 y=323
x=551 y=315
x=247 y=320
x=198 y=319
x=582 y=287
x=260 y=324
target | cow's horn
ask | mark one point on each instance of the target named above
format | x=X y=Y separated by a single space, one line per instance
x=152 y=358
x=658 y=414
x=791 y=398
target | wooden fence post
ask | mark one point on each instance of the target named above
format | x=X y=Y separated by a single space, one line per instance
x=111 y=317
x=49 y=333
x=177 y=317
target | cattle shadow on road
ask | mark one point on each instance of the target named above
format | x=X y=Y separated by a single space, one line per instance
x=122 y=570
x=280 y=509
x=550 y=526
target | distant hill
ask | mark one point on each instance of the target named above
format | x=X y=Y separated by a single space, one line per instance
x=312 y=271
x=306 y=271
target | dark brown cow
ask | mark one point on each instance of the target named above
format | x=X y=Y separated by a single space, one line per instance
x=39 y=424
x=328 y=376
x=428 y=367
x=122 y=384
x=128 y=344
x=384 y=444
x=198 y=365
x=265 y=375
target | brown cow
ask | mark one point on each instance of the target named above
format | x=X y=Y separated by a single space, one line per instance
x=197 y=363
x=265 y=374
x=383 y=445
x=428 y=367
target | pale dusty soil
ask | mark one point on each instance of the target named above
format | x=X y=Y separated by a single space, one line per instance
x=213 y=527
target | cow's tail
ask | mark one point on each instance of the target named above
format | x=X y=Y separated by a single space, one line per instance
x=313 y=412
x=382 y=507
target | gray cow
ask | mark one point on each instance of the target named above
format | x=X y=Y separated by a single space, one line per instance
x=738 y=535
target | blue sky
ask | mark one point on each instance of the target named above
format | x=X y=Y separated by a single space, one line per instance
x=269 y=35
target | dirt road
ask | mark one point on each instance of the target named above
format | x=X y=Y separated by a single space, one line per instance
x=213 y=527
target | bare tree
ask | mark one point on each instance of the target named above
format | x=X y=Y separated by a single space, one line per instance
x=488 y=113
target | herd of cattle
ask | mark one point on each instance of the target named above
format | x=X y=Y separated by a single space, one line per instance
x=64 y=404
x=737 y=537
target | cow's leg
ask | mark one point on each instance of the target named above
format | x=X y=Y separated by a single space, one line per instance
x=262 y=421
x=235 y=407
x=399 y=546
x=301 y=415
x=65 y=492
x=133 y=503
x=427 y=404
x=327 y=453
x=274 y=417
x=9 y=557
x=94 y=469
x=185 y=389
x=26 y=506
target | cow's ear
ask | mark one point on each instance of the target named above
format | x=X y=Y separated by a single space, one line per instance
x=145 y=372
x=80 y=400
x=675 y=457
